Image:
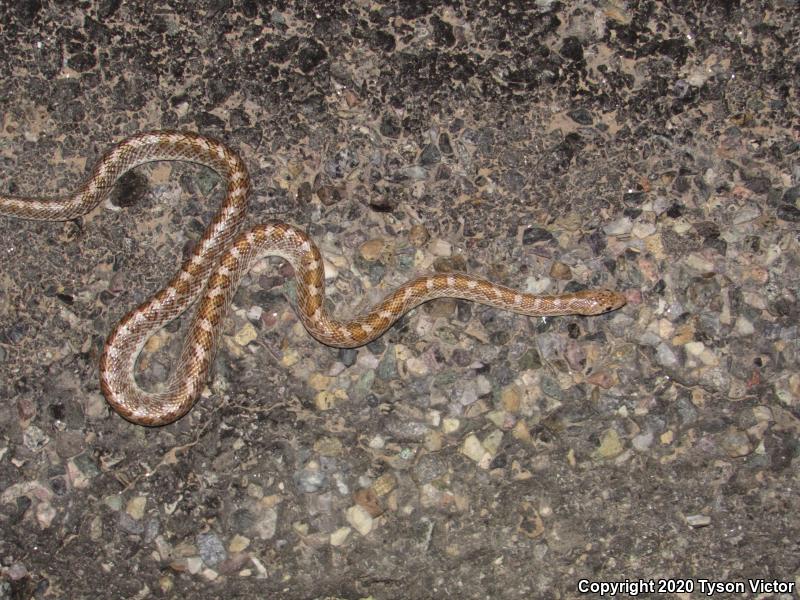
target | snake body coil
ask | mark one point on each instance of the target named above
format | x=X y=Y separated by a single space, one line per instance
x=219 y=260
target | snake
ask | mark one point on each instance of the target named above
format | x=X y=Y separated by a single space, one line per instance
x=210 y=275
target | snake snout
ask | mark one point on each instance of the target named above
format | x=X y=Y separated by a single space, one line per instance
x=608 y=300
x=598 y=302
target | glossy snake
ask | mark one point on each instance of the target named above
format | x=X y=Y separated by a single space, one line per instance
x=219 y=260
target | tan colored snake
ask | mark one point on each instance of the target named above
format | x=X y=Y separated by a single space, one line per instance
x=219 y=260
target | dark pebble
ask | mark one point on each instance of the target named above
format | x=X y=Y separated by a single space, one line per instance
x=572 y=49
x=534 y=235
x=581 y=116
x=430 y=155
x=444 y=144
x=788 y=212
x=348 y=356
x=791 y=195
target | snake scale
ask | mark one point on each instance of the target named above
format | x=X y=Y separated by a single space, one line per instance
x=223 y=255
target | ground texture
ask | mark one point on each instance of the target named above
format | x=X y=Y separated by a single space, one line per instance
x=645 y=146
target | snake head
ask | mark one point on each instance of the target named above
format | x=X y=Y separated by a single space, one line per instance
x=597 y=302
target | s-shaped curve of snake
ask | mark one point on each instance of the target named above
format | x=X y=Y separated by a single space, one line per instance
x=219 y=260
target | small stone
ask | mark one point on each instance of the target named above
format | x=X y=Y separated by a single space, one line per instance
x=559 y=270
x=360 y=519
x=156 y=341
x=310 y=478
x=695 y=348
x=367 y=499
x=266 y=520
x=492 y=442
x=325 y=400
x=538 y=284
x=372 y=250
x=290 y=358
x=532 y=524
x=328 y=446
x=245 y=335
x=254 y=313
x=194 y=564
x=418 y=236
x=417 y=367
x=135 y=507
x=642 y=230
x=665 y=356
x=430 y=155
x=643 y=441
x=521 y=432
x=166 y=584
x=736 y=443
x=113 y=502
x=469 y=394
x=743 y=326
x=700 y=263
x=610 y=445
x=601 y=379
x=211 y=548
x=472 y=448
x=788 y=212
x=430 y=495
x=746 y=214
x=439 y=247
x=511 y=396
x=16 y=571
x=34 y=438
x=339 y=536
x=95 y=406
x=762 y=413
x=621 y=226
x=45 y=513
x=319 y=382
x=238 y=543
x=384 y=484
x=69 y=443
x=450 y=425
x=697 y=521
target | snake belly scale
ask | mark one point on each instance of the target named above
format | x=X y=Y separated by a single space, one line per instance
x=223 y=255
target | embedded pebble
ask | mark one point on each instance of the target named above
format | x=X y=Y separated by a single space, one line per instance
x=211 y=549
x=621 y=226
x=360 y=519
x=417 y=367
x=698 y=521
x=339 y=536
x=610 y=445
x=472 y=448
x=418 y=235
x=665 y=356
x=238 y=543
x=439 y=247
x=34 y=438
x=45 y=513
x=559 y=270
x=135 y=507
x=372 y=250
x=736 y=443
x=450 y=425
x=246 y=334
x=643 y=230
x=310 y=478
x=642 y=441
x=744 y=326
